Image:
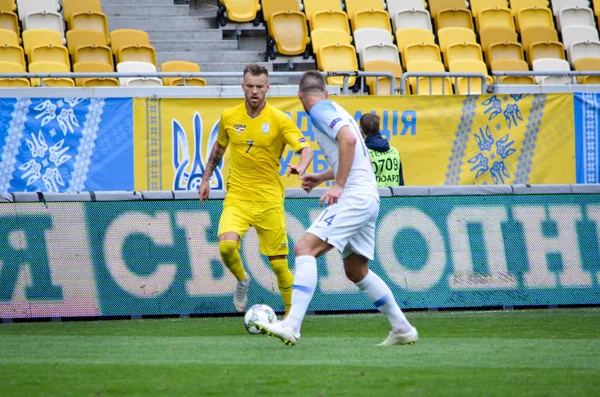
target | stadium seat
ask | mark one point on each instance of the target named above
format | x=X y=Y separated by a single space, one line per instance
x=454 y=17
x=393 y=6
x=91 y=21
x=371 y=19
x=311 y=7
x=435 y=6
x=379 y=52
x=447 y=36
x=583 y=49
x=422 y=52
x=460 y=51
x=12 y=53
x=45 y=20
x=241 y=10
x=478 y=5
x=135 y=42
x=381 y=85
x=8 y=5
x=512 y=65
x=518 y=5
x=28 y=7
x=50 y=67
x=551 y=65
x=464 y=85
x=428 y=85
x=8 y=37
x=495 y=18
x=270 y=7
x=330 y=19
x=137 y=53
x=505 y=50
x=496 y=35
x=545 y=49
x=72 y=7
x=323 y=37
x=409 y=36
x=138 y=67
x=83 y=38
x=353 y=6
x=94 y=53
x=182 y=66
x=50 y=53
x=13 y=67
x=534 y=17
x=10 y=21
x=338 y=58
x=558 y=5
x=573 y=35
x=588 y=64
x=412 y=18
x=94 y=67
x=373 y=37
x=575 y=16
x=535 y=34
x=39 y=37
x=289 y=31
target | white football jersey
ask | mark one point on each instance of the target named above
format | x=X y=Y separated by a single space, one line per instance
x=328 y=118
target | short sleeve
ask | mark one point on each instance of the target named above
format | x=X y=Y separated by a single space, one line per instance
x=222 y=137
x=291 y=134
x=326 y=118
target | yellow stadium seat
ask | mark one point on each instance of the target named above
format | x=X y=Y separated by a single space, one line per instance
x=478 y=5
x=405 y=37
x=588 y=64
x=371 y=19
x=137 y=53
x=497 y=18
x=90 y=21
x=354 y=6
x=338 y=58
x=435 y=6
x=596 y=7
x=289 y=31
x=8 y=5
x=8 y=37
x=545 y=49
x=241 y=10
x=132 y=45
x=94 y=67
x=459 y=51
x=94 y=53
x=422 y=52
x=492 y=35
x=270 y=7
x=50 y=67
x=464 y=85
x=323 y=37
x=381 y=85
x=311 y=7
x=512 y=65
x=50 y=53
x=72 y=7
x=12 y=67
x=182 y=66
x=454 y=17
x=535 y=34
x=330 y=19
x=83 y=38
x=534 y=17
x=427 y=85
x=505 y=50
x=518 y=5
x=38 y=37
x=12 y=53
x=447 y=36
x=10 y=21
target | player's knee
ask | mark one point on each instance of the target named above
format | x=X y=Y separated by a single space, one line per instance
x=303 y=247
x=228 y=249
x=353 y=275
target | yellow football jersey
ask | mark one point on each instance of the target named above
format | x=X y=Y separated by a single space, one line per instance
x=256 y=145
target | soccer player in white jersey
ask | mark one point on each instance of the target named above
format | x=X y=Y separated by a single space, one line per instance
x=347 y=223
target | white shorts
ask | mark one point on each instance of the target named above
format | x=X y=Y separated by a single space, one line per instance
x=349 y=225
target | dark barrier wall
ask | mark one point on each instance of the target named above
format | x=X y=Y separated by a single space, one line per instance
x=140 y=257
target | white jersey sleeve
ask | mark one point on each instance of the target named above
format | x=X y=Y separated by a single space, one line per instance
x=327 y=119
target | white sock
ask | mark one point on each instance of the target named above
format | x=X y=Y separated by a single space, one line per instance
x=380 y=294
x=305 y=283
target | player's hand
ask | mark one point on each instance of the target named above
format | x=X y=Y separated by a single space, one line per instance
x=309 y=182
x=204 y=191
x=294 y=169
x=331 y=196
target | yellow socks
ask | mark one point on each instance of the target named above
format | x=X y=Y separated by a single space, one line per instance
x=231 y=258
x=285 y=281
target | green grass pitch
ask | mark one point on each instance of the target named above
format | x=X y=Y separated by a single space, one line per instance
x=548 y=352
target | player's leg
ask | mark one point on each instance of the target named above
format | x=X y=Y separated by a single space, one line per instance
x=232 y=227
x=285 y=279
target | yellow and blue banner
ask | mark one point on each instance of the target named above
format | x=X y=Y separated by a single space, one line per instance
x=487 y=139
x=587 y=127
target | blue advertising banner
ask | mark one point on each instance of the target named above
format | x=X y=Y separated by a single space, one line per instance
x=587 y=137
x=66 y=144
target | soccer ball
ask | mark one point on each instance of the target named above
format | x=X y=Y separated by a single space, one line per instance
x=258 y=313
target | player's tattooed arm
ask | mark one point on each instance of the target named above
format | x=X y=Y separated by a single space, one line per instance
x=216 y=155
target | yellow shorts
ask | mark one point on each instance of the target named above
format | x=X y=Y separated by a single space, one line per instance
x=267 y=218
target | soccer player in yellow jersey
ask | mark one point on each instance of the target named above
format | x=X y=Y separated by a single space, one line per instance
x=257 y=133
